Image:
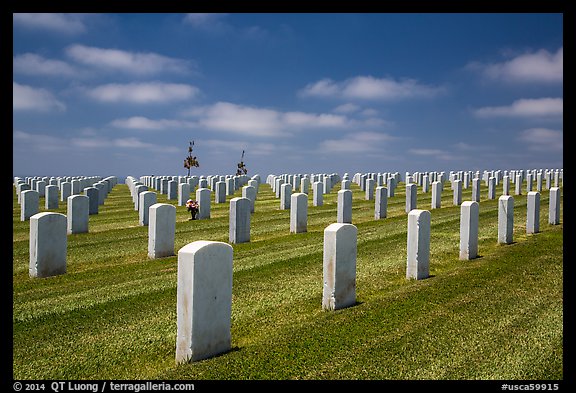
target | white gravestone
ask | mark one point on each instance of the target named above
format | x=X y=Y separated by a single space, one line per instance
x=339 y=266
x=48 y=243
x=418 y=245
x=161 y=230
x=469 y=213
x=204 y=300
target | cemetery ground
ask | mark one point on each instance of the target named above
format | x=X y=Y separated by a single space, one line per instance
x=113 y=314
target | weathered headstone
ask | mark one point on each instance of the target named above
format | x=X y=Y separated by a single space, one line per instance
x=161 y=230
x=339 y=266
x=418 y=245
x=299 y=213
x=204 y=300
x=469 y=213
x=48 y=243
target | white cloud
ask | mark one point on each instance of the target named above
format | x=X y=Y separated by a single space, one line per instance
x=540 y=66
x=33 y=64
x=360 y=142
x=370 y=88
x=346 y=108
x=144 y=123
x=143 y=93
x=211 y=22
x=542 y=139
x=63 y=23
x=124 y=61
x=537 y=107
x=30 y=98
x=248 y=120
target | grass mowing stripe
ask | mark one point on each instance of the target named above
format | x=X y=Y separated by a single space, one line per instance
x=113 y=315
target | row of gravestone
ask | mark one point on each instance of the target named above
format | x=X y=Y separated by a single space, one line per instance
x=204 y=289
x=29 y=190
x=203 y=264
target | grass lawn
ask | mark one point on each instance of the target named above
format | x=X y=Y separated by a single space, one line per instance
x=113 y=315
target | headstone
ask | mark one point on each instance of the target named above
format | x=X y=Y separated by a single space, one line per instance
x=220 y=192
x=285 y=192
x=51 y=201
x=436 y=195
x=204 y=300
x=203 y=198
x=30 y=204
x=476 y=190
x=250 y=193
x=369 y=190
x=137 y=190
x=161 y=230
x=183 y=193
x=239 y=222
x=381 y=203
x=505 y=219
x=505 y=185
x=41 y=188
x=411 y=189
x=492 y=188
x=554 y=207
x=93 y=199
x=147 y=199
x=327 y=186
x=418 y=245
x=317 y=197
x=344 y=207
x=228 y=187
x=76 y=187
x=299 y=213
x=391 y=185
x=533 y=212
x=518 y=184
x=469 y=213
x=172 y=190
x=48 y=243
x=339 y=266
x=77 y=213
x=457 y=193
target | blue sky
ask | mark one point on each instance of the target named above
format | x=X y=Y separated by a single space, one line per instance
x=123 y=94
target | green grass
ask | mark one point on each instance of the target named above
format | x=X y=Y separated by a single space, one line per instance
x=113 y=315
